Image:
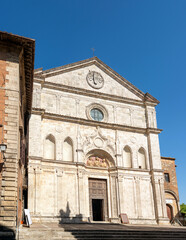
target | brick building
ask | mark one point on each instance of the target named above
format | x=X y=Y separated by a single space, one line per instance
x=16 y=74
x=171 y=187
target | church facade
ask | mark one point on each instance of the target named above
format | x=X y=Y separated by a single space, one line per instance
x=93 y=148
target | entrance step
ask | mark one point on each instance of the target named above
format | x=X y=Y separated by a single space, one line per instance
x=101 y=232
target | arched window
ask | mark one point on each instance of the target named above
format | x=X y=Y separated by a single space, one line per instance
x=68 y=150
x=49 y=148
x=127 y=157
x=142 y=158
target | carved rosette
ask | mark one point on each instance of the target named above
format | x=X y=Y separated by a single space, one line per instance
x=98 y=141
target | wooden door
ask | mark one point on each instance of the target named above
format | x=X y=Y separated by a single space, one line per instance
x=169 y=212
x=98 y=190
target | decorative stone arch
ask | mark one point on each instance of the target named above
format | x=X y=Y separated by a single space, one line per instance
x=175 y=197
x=99 y=158
x=68 y=150
x=172 y=193
x=142 y=160
x=50 y=147
x=125 y=154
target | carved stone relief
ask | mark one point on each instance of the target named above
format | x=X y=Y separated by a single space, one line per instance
x=98 y=140
x=97 y=162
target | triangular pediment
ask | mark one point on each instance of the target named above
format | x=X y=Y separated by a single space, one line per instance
x=75 y=76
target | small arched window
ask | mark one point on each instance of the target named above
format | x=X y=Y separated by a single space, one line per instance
x=68 y=150
x=127 y=157
x=49 y=148
x=142 y=158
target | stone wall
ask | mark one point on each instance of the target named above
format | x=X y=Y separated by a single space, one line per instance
x=58 y=187
x=3 y=66
x=13 y=109
x=11 y=130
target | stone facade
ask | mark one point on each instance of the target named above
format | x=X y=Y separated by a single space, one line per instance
x=16 y=72
x=78 y=162
x=171 y=186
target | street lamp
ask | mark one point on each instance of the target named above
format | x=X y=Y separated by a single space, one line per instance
x=3 y=147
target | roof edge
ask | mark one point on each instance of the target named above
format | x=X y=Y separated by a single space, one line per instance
x=28 y=45
x=129 y=85
x=168 y=158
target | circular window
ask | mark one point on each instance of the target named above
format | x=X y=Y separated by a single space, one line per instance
x=96 y=114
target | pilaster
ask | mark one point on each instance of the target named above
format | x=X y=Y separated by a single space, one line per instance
x=155 y=165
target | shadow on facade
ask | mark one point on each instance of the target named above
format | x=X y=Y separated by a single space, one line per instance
x=71 y=224
x=6 y=233
x=66 y=218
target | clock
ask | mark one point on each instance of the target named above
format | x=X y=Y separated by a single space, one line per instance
x=95 y=79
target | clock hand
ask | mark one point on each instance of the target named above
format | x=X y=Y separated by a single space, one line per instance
x=94 y=80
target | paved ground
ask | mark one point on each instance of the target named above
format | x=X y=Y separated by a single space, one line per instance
x=103 y=226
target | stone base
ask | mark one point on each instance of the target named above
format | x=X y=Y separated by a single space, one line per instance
x=60 y=220
x=114 y=220
x=82 y=219
x=142 y=221
x=163 y=221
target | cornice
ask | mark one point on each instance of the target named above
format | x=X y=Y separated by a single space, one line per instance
x=132 y=169
x=89 y=93
x=58 y=117
x=110 y=169
x=168 y=158
x=156 y=170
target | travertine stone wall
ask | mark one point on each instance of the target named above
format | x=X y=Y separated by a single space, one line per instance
x=58 y=189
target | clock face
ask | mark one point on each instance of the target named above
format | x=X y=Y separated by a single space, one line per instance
x=95 y=79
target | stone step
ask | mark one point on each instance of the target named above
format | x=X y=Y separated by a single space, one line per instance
x=57 y=235
x=99 y=232
x=90 y=238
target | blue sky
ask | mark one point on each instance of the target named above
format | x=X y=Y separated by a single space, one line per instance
x=143 y=40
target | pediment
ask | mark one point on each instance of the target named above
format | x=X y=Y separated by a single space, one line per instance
x=75 y=76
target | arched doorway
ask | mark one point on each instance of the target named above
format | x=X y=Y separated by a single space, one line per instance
x=173 y=201
x=100 y=161
x=169 y=212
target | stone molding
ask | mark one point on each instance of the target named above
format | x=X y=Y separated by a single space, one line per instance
x=58 y=117
x=81 y=91
x=33 y=159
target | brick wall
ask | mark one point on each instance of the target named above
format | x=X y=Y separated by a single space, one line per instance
x=3 y=73
x=168 y=165
x=9 y=77
x=16 y=71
